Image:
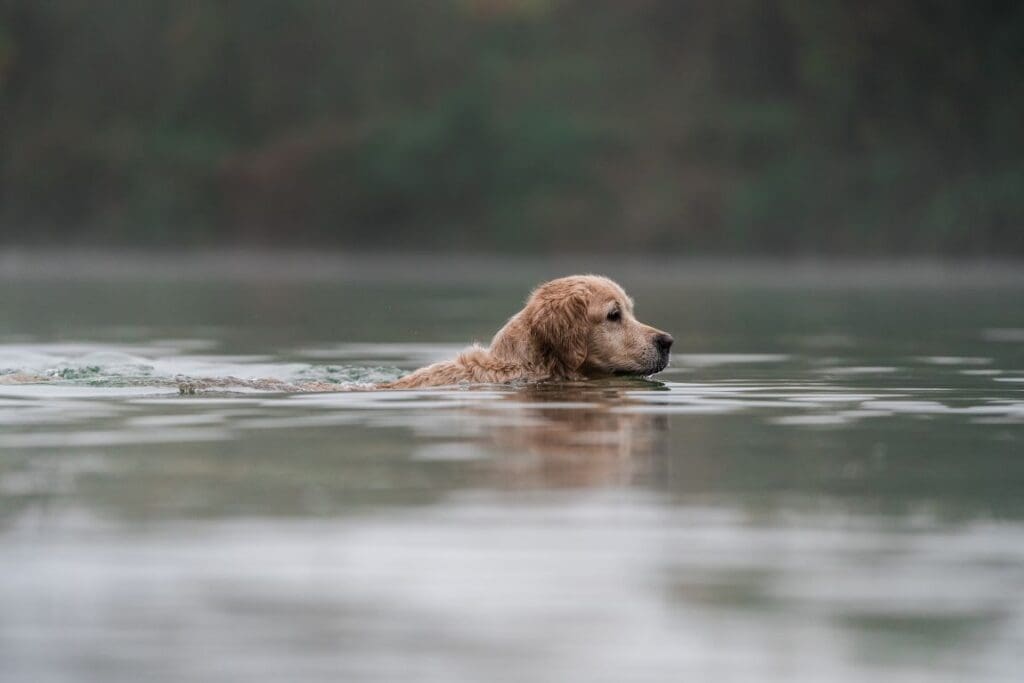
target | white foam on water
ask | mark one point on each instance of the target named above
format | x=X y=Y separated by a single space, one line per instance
x=160 y=365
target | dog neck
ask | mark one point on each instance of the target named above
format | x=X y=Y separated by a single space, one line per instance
x=514 y=344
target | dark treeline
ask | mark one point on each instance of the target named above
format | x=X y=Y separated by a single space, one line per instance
x=775 y=126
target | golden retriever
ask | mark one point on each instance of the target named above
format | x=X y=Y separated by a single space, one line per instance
x=573 y=328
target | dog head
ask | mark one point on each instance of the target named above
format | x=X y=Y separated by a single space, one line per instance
x=583 y=326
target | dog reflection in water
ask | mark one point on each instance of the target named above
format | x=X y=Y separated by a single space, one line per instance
x=569 y=436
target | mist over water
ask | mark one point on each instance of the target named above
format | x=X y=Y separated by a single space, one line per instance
x=825 y=484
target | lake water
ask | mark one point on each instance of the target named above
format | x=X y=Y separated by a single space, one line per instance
x=827 y=484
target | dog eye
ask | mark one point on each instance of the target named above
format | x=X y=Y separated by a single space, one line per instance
x=615 y=315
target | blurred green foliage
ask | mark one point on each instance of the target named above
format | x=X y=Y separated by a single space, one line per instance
x=778 y=126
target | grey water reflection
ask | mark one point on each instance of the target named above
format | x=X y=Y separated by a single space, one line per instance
x=572 y=437
x=824 y=485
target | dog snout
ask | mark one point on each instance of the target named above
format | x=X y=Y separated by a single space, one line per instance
x=663 y=341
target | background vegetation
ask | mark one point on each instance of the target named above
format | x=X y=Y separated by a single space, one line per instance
x=778 y=126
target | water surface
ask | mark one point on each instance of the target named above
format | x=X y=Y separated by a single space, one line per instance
x=826 y=484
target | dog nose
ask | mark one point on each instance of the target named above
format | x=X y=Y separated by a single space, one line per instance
x=663 y=342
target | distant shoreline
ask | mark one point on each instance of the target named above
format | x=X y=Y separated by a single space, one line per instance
x=131 y=264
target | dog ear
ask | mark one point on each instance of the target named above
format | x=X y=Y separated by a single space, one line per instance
x=557 y=320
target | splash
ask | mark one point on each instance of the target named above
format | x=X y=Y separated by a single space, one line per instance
x=163 y=367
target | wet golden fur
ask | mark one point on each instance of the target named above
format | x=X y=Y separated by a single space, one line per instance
x=573 y=328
